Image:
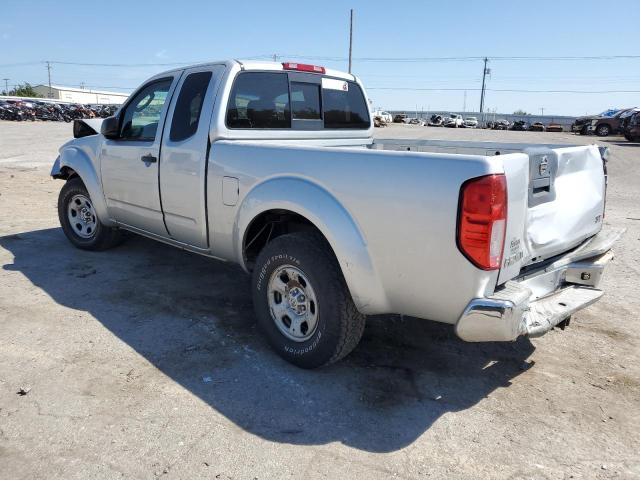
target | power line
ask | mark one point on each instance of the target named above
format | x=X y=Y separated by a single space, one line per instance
x=359 y=59
x=500 y=90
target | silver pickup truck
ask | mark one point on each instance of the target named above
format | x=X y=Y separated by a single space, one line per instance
x=273 y=166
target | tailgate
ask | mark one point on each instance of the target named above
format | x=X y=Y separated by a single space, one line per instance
x=555 y=203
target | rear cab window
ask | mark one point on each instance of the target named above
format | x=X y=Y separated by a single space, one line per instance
x=290 y=100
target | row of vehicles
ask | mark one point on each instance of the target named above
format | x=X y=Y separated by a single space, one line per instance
x=455 y=120
x=32 y=110
x=524 y=126
x=609 y=122
x=452 y=120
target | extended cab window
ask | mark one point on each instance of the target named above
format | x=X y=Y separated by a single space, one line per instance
x=142 y=114
x=344 y=105
x=281 y=100
x=189 y=105
x=259 y=100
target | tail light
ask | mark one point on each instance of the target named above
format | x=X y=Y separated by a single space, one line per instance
x=303 y=67
x=482 y=220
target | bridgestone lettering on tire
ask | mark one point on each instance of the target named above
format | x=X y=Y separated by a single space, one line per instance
x=302 y=302
x=79 y=220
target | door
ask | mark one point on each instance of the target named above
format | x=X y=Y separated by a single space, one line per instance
x=129 y=164
x=183 y=157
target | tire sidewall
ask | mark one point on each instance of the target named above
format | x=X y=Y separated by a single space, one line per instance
x=318 y=349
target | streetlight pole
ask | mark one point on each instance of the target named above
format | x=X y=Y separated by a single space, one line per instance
x=350 y=37
x=49 y=73
x=6 y=86
x=484 y=75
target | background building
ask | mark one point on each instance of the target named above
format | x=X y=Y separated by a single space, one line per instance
x=81 y=95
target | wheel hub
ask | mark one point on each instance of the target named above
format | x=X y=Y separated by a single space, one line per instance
x=292 y=302
x=82 y=217
x=297 y=300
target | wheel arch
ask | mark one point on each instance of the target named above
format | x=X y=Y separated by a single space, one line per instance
x=305 y=205
x=73 y=162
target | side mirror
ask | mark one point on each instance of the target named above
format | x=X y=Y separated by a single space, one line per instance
x=111 y=128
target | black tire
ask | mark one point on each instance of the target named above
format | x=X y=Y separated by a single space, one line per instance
x=339 y=325
x=101 y=238
x=603 y=130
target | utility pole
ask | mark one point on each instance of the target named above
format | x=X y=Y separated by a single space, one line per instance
x=49 y=73
x=275 y=57
x=464 y=103
x=6 y=86
x=542 y=111
x=484 y=74
x=350 y=38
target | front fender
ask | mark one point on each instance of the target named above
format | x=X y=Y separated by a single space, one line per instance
x=74 y=158
x=336 y=224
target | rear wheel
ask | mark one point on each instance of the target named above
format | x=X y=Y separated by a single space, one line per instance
x=79 y=220
x=302 y=301
x=603 y=130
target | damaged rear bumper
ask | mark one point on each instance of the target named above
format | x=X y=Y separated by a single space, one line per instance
x=538 y=301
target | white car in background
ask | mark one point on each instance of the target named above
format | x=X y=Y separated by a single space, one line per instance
x=385 y=116
x=454 y=120
x=470 y=122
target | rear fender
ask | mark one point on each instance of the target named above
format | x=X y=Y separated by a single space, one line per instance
x=336 y=224
x=75 y=159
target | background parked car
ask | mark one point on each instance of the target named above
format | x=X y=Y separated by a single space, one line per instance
x=378 y=121
x=632 y=127
x=400 y=118
x=436 y=120
x=520 y=125
x=537 y=127
x=501 y=124
x=607 y=123
x=470 y=122
x=454 y=120
x=555 y=127
x=384 y=116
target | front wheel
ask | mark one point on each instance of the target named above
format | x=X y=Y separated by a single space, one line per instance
x=603 y=130
x=79 y=220
x=302 y=301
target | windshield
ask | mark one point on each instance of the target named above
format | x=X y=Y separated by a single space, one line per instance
x=609 y=113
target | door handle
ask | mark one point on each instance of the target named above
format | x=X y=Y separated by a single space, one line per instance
x=148 y=158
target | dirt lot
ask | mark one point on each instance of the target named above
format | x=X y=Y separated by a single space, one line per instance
x=145 y=361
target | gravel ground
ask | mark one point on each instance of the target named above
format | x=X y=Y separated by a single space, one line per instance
x=145 y=361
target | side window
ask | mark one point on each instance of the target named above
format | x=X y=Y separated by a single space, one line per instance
x=259 y=100
x=186 y=115
x=142 y=114
x=344 y=105
x=305 y=101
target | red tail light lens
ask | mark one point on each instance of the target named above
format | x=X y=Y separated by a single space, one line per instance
x=303 y=67
x=482 y=220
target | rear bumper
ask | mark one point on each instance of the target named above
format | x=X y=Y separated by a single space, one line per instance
x=536 y=302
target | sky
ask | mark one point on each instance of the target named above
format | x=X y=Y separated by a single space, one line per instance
x=410 y=54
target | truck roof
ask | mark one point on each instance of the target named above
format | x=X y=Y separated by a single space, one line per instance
x=261 y=65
